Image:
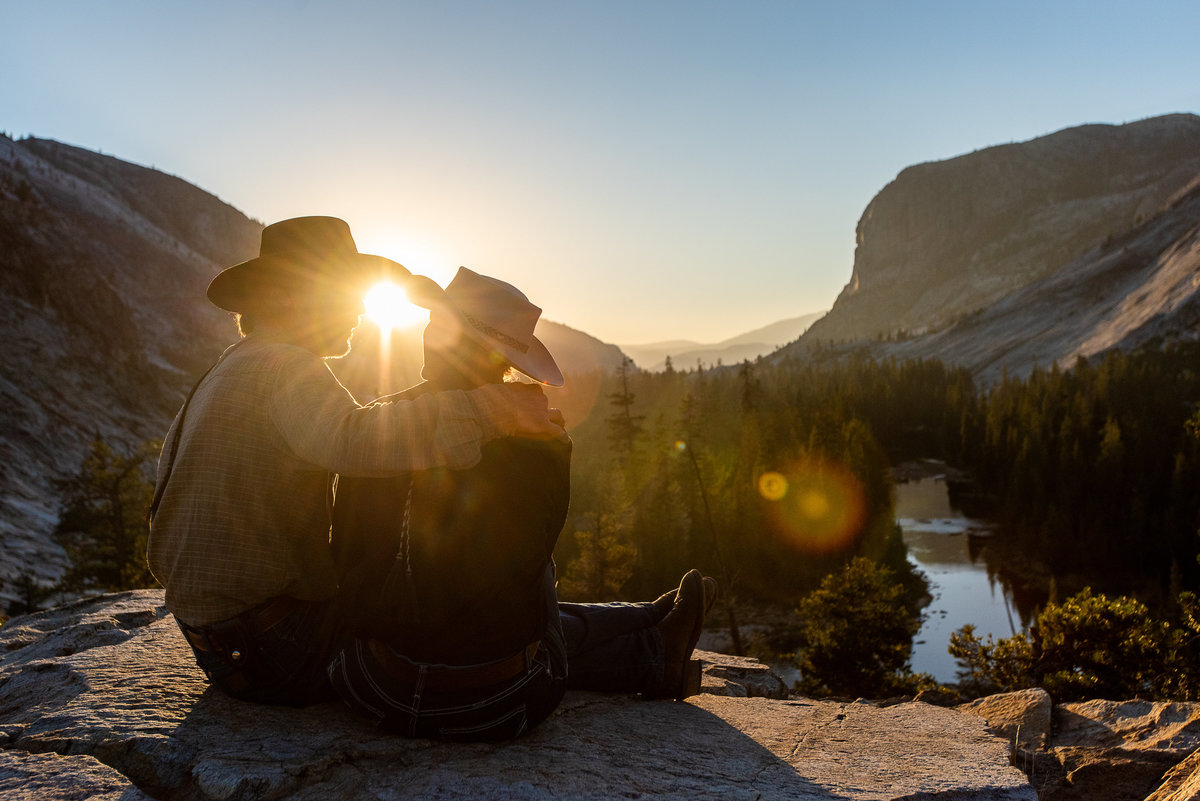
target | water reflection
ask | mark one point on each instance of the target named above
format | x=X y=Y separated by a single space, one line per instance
x=950 y=549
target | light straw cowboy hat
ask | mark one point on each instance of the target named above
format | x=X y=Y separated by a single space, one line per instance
x=500 y=316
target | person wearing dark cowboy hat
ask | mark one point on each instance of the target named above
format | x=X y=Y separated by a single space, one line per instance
x=447 y=575
x=239 y=532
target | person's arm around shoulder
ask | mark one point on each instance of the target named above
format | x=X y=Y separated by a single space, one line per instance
x=322 y=424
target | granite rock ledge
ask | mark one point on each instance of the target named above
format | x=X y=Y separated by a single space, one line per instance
x=101 y=699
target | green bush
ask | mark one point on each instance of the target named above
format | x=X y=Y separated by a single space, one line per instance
x=856 y=634
x=1090 y=646
x=989 y=666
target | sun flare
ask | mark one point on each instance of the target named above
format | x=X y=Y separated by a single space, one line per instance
x=389 y=307
x=814 y=505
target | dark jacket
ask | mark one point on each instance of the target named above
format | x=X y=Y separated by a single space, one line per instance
x=472 y=586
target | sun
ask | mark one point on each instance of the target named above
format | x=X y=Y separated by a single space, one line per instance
x=388 y=307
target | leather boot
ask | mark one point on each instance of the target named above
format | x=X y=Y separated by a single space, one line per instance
x=680 y=630
x=664 y=603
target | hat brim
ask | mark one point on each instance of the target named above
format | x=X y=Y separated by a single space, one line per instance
x=534 y=362
x=537 y=363
x=237 y=288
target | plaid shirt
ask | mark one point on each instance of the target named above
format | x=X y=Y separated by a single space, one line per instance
x=245 y=515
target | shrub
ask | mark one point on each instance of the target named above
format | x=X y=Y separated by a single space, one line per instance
x=1089 y=646
x=856 y=635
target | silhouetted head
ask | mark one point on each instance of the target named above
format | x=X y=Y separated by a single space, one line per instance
x=480 y=328
x=307 y=283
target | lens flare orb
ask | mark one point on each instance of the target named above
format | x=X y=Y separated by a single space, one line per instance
x=814 y=505
x=772 y=486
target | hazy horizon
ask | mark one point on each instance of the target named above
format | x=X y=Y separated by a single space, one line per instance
x=644 y=171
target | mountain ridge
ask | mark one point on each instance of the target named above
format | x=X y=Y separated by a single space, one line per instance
x=1091 y=253
x=947 y=238
x=685 y=353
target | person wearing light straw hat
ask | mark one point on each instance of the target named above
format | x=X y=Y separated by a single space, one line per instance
x=239 y=533
x=447 y=575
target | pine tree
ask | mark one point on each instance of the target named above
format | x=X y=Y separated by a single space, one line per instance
x=31 y=593
x=624 y=427
x=102 y=523
x=604 y=560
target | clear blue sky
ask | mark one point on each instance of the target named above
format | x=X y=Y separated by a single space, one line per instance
x=643 y=170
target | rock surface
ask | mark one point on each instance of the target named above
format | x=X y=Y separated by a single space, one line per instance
x=1182 y=782
x=50 y=777
x=103 y=694
x=1138 y=725
x=1116 y=751
x=1023 y=717
x=739 y=676
x=1126 y=747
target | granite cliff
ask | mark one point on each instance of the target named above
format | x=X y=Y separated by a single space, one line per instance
x=955 y=238
x=1139 y=289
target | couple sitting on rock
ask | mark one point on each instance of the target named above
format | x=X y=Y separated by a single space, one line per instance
x=432 y=608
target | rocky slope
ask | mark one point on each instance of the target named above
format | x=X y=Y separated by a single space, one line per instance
x=101 y=265
x=1140 y=289
x=102 y=699
x=950 y=238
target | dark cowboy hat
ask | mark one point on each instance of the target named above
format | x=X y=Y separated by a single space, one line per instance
x=299 y=252
x=499 y=315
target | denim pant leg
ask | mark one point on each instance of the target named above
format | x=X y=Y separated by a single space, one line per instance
x=412 y=707
x=284 y=665
x=611 y=647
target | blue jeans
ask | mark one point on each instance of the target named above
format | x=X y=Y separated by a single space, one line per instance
x=611 y=647
x=285 y=664
x=416 y=707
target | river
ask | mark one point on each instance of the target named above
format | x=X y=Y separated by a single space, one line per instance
x=946 y=546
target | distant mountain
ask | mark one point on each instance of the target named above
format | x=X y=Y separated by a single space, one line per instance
x=750 y=345
x=949 y=238
x=103 y=270
x=1029 y=254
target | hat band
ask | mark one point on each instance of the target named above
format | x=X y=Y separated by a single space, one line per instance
x=500 y=336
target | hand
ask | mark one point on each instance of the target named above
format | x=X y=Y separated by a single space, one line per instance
x=520 y=410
